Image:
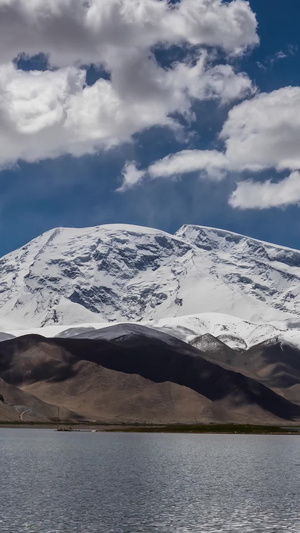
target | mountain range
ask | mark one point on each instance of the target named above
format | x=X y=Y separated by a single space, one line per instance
x=133 y=374
x=128 y=324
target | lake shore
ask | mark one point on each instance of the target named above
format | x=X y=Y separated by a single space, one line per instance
x=242 y=429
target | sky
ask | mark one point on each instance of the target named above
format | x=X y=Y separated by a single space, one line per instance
x=150 y=112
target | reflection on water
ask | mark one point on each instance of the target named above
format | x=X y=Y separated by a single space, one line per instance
x=93 y=482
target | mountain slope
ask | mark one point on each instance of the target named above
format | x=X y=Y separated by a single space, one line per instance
x=267 y=272
x=133 y=373
x=17 y=405
x=128 y=273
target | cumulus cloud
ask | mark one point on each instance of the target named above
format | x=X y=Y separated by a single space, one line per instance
x=33 y=110
x=46 y=114
x=255 y=195
x=49 y=113
x=81 y=31
x=260 y=133
x=205 y=83
x=264 y=132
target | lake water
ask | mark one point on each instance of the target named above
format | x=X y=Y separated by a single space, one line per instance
x=119 y=482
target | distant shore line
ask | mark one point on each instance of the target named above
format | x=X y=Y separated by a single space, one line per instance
x=241 y=429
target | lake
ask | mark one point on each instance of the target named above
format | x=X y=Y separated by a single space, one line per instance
x=129 y=482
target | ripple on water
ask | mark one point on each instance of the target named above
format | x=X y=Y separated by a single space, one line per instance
x=142 y=483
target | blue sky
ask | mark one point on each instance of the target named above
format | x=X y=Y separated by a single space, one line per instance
x=45 y=183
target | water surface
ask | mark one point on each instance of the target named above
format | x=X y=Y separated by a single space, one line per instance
x=119 y=482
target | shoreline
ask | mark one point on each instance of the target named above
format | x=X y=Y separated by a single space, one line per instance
x=232 y=429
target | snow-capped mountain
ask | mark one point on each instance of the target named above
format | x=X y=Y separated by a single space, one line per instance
x=236 y=333
x=128 y=273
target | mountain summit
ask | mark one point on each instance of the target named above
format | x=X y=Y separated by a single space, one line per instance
x=131 y=273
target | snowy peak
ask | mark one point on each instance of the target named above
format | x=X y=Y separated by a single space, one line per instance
x=122 y=272
x=222 y=240
x=101 y=273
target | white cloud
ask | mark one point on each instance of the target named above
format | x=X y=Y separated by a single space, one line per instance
x=33 y=111
x=255 y=195
x=80 y=31
x=261 y=133
x=203 y=83
x=131 y=176
x=212 y=162
x=265 y=132
x=46 y=114
x=231 y=26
